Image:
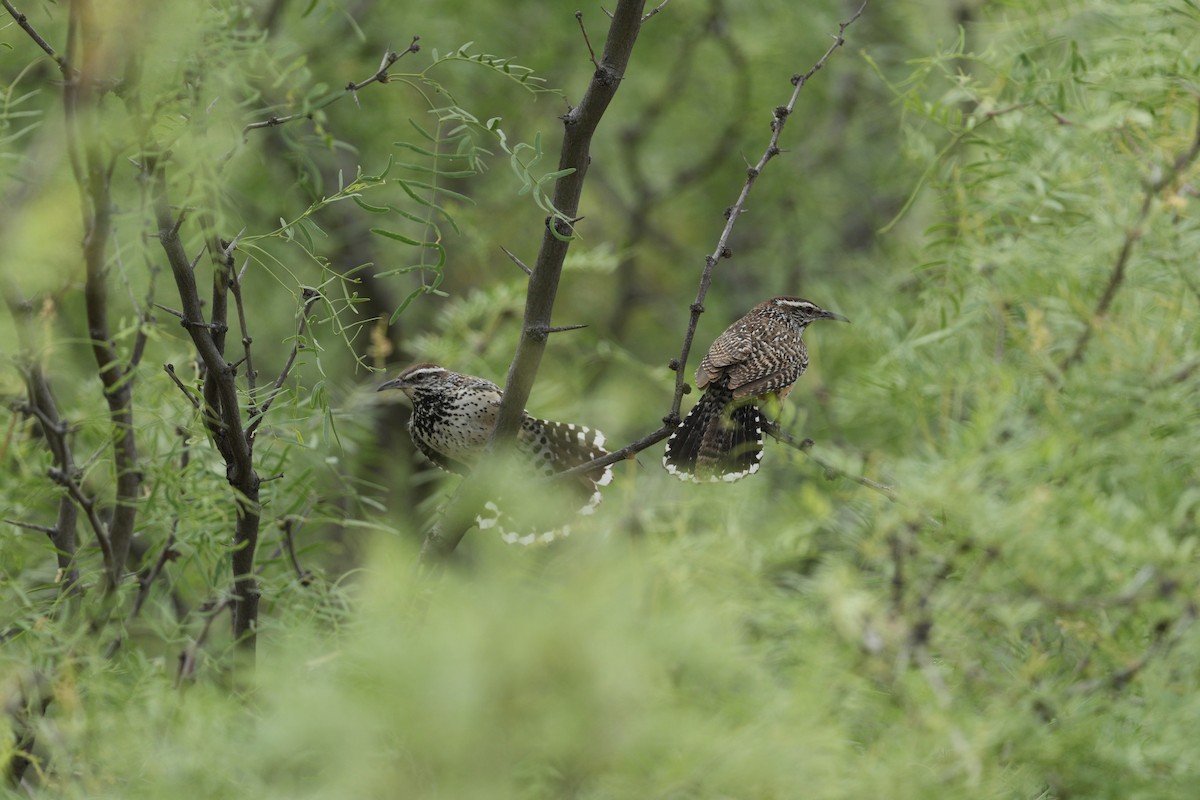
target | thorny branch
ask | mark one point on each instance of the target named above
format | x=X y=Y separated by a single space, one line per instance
x=229 y=435
x=352 y=88
x=170 y=370
x=235 y=288
x=579 y=126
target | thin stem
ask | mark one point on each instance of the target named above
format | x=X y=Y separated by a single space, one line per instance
x=380 y=76
x=309 y=298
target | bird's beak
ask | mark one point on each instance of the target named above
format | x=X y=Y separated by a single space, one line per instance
x=834 y=315
x=394 y=383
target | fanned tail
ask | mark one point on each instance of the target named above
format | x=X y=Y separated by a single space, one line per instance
x=552 y=447
x=719 y=440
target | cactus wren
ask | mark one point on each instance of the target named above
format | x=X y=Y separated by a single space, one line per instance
x=452 y=420
x=755 y=362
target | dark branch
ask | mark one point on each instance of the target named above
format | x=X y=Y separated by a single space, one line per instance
x=89 y=509
x=46 y=529
x=628 y=451
x=229 y=436
x=580 y=125
x=288 y=527
x=170 y=370
x=168 y=553
x=43 y=406
x=93 y=176
x=235 y=288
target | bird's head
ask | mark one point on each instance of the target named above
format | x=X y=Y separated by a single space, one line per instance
x=417 y=379
x=803 y=311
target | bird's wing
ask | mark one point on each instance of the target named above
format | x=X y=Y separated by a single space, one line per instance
x=730 y=348
x=446 y=463
x=765 y=378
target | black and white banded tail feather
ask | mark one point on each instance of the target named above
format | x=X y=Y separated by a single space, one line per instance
x=719 y=440
x=552 y=447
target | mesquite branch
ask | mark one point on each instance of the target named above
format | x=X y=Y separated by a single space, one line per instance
x=229 y=434
x=579 y=126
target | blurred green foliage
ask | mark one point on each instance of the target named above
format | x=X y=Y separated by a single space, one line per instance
x=960 y=180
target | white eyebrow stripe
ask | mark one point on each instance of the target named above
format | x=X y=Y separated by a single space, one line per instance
x=424 y=371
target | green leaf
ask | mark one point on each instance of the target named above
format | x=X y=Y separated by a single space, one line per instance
x=399 y=237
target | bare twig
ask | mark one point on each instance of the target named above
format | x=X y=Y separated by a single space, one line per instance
x=33 y=527
x=144 y=320
x=288 y=526
x=170 y=370
x=309 y=297
x=235 y=288
x=168 y=553
x=655 y=10
x=628 y=451
x=23 y=21
x=586 y=40
x=1132 y=235
x=380 y=76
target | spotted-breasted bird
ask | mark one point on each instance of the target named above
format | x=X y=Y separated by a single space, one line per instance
x=452 y=420
x=754 y=363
